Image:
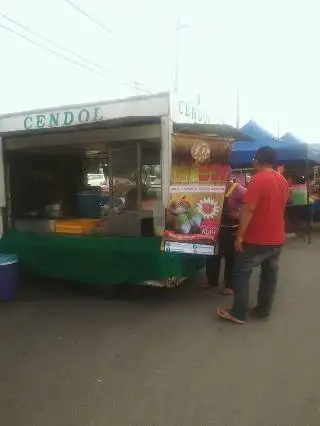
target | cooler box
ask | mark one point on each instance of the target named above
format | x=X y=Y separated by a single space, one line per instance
x=8 y=276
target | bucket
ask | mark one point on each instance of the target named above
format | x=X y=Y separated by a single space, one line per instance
x=8 y=276
x=89 y=204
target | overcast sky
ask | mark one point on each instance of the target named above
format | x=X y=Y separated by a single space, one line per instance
x=267 y=48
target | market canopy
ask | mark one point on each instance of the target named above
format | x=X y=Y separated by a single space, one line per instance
x=289 y=137
x=243 y=152
x=293 y=150
x=256 y=132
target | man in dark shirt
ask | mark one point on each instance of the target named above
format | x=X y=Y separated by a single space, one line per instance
x=260 y=236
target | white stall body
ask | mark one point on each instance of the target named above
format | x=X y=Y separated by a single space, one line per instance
x=138 y=118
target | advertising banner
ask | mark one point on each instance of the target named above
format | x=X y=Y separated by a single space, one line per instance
x=199 y=175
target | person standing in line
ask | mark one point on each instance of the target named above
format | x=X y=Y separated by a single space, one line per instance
x=260 y=237
x=226 y=241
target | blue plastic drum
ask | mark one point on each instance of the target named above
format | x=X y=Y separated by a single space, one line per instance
x=90 y=202
x=8 y=276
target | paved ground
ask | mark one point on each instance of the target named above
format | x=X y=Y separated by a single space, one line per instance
x=162 y=358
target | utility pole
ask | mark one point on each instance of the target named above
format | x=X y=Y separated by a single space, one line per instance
x=179 y=27
x=238 y=109
x=177 y=57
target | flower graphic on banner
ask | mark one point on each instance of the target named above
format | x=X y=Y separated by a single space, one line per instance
x=208 y=208
x=200 y=151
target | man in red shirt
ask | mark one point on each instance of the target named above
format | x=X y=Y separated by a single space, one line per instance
x=260 y=236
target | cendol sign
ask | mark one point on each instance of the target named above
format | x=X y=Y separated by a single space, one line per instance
x=69 y=117
x=193 y=113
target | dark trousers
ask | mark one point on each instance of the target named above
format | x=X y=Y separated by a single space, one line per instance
x=227 y=251
x=213 y=269
x=252 y=256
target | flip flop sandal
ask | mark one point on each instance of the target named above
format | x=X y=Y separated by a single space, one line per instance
x=226 y=315
x=226 y=292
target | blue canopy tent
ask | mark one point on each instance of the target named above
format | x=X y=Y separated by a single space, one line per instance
x=289 y=137
x=311 y=151
x=288 y=148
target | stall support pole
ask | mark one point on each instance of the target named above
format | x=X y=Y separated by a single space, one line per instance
x=309 y=205
x=166 y=132
x=7 y=210
x=139 y=179
x=110 y=176
x=5 y=196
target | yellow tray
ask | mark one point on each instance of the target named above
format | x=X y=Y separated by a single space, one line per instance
x=75 y=226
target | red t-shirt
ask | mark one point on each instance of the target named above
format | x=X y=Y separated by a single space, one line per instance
x=268 y=191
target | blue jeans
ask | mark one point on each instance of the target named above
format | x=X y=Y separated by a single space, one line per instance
x=252 y=256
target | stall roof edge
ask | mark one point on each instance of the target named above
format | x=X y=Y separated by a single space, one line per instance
x=222 y=130
x=96 y=114
x=85 y=104
x=107 y=124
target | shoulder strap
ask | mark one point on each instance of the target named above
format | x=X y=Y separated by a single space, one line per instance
x=231 y=189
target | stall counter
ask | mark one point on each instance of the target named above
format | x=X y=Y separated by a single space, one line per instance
x=99 y=259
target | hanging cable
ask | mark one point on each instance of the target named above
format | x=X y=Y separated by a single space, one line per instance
x=100 y=24
x=66 y=58
x=91 y=18
x=134 y=84
x=49 y=50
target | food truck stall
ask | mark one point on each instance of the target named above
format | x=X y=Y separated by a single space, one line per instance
x=79 y=185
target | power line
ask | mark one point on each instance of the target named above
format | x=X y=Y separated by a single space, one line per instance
x=49 y=41
x=91 y=18
x=133 y=84
x=99 y=23
x=66 y=58
x=49 y=50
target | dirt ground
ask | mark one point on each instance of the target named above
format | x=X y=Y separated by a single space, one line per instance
x=70 y=357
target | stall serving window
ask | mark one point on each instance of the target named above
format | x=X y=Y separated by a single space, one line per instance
x=102 y=182
x=127 y=173
x=42 y=185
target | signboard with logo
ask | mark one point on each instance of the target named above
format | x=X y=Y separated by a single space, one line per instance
x=187 y=248
x=70 y=117
x=143 y=106
x=199 y=175
x=183 y=111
